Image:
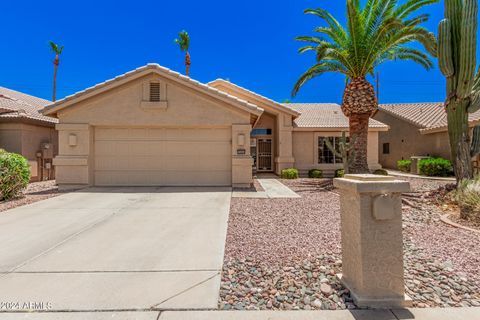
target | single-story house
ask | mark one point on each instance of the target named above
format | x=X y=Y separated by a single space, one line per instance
x=416 y=129
x=153 y=126
x=24 y=130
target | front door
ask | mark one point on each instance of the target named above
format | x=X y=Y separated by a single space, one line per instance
x=264 y=155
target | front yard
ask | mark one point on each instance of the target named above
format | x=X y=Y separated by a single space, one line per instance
x=35 y=191
x=285 y=253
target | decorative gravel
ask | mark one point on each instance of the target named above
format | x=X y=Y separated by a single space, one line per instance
x=36 y=191
x=280 y=253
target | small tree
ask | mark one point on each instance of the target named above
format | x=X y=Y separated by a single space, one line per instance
x=183 y=42
x=346 y=152
x=57 y=50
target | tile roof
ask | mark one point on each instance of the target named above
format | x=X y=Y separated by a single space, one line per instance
x=155 y=67
x=429 y=117
x=14 y=104
x=258 y=96
x=423 y=115
x=324 y=115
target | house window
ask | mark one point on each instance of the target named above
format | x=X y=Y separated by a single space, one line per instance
x=386 y=148
x=325 y=155
x=154 y=91
x=261 y=132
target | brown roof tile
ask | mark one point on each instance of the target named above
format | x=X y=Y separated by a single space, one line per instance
x=324 y=115
x=14 y=104
x=423 y=115
x=429 y=117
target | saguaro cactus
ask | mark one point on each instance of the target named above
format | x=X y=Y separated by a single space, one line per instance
x=346 y=151
x=457 y=42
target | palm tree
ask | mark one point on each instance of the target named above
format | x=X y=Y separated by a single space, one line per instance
x=378 y=32
x=56 y=62
x=183 y=42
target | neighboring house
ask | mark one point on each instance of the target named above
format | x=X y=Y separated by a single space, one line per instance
x=24 y=130
x=153 y=126
x=416 y=129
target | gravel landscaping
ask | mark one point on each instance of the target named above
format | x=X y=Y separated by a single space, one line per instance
x=36 y=191
x=283 y=254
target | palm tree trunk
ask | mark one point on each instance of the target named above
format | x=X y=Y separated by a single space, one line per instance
x=54 y=93
x=187 y=64
x=56 y=62
x=358 y=124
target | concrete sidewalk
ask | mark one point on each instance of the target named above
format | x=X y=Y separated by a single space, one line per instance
x=275 y=189
x=404 y=314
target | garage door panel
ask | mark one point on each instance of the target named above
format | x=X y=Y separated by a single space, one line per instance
x=163 y=156
x=166 y=178
x=195 y=134
x=188 y=148
x=206 y=164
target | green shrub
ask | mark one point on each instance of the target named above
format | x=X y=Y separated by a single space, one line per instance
x=381 y=172
x=435 y=167
x=339 y=173
x=404 y=165
x=468 y=198
x=14 y=175
x=315 y=173
x=290 y=173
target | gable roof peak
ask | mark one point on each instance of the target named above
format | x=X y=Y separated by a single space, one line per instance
x=140 y=72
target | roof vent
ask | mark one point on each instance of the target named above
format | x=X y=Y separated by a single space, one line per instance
x=154 y=91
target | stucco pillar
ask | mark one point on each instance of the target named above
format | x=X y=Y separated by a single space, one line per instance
x=372 y=242
x=242 y=176
x=73 y=163
x=285 y=157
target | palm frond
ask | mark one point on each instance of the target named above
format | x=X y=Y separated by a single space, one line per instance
x=379 y=31
x=55 y=47
x=315 y=71
x=183 y=40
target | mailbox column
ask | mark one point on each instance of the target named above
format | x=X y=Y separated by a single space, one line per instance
x=372 y=243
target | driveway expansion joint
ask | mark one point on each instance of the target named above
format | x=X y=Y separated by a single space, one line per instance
x=186 y=290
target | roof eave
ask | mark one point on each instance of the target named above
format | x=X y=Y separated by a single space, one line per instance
x=267 y=101
x=370 y=129
x=51 y=110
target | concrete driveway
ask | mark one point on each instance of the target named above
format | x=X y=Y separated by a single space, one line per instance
x=115 y=249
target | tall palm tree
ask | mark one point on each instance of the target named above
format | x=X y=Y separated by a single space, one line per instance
x=378 y=32
x=57 y=50
x=183 y=42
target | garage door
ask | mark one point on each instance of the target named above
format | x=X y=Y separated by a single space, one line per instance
x=163 y=157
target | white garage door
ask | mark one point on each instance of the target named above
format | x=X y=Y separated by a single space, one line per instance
x=163 y=157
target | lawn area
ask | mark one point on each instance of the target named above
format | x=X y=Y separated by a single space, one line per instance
x=285 y=253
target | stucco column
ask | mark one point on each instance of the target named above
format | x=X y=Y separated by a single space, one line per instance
x=372 y=242
x=73 y=164
x=242 y=176
x=285 y=157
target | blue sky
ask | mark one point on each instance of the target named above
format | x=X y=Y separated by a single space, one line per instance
x=250 y=42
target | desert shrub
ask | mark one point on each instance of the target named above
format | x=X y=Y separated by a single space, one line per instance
x=14 y=175
x=404 y=165
x=381 y=172
x=339 y=173
x=315 y=173
x=290 y=173
x=435 y=167
x=468 y=198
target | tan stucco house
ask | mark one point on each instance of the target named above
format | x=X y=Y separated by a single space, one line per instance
x=24 y=130
x=153 y=126
x=416 y=129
